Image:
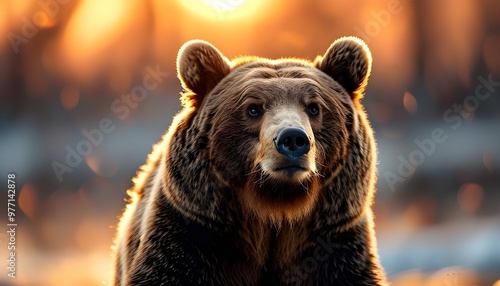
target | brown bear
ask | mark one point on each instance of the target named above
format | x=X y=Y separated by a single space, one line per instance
x=266 y=177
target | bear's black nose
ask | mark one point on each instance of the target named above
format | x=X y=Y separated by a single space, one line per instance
x=292 y=142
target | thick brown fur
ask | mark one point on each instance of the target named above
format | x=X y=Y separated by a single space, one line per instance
x=217 y=204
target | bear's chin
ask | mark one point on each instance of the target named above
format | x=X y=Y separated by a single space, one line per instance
x=277 y=200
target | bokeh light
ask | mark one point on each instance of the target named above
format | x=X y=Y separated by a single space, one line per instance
x=470 y=197
x=70 y=97
x=410 y=103
x=27 y=200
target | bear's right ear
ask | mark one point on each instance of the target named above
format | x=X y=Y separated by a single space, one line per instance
x=200 y=67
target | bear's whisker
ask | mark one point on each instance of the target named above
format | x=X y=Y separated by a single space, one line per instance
x=253 y=172
x=318 y=174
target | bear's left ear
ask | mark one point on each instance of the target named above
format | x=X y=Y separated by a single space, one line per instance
x=200 y=67
x=348 y=61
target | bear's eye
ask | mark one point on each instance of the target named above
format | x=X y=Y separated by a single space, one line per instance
x=313 y=109
x=254 y=110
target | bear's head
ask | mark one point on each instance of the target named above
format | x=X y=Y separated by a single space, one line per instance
x=274 y=132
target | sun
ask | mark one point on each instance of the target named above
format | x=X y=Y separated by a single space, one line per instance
x=225 y=5
x=222 y=10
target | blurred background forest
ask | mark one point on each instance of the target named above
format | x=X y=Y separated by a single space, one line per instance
x=68 y=68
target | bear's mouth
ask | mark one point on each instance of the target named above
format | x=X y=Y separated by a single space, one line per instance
x=287 y=169
x=282 y=197
x=286 y=190
x=291 y=170
x=296 y=170
x=286 y=182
